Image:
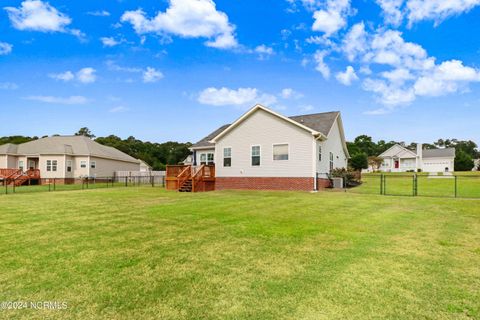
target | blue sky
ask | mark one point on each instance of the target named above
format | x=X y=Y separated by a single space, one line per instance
x=405 y=70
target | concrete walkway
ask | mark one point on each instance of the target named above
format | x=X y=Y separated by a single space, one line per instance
x=445 y=175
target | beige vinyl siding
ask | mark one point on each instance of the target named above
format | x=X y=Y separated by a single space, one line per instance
x=77 y=170
x=206 y=152
x=3 y=162
x=60 y=173
x=265 y=130
x=107 y=167
x=332 y=144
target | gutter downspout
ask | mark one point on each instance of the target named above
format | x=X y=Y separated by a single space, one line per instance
x=314 y=164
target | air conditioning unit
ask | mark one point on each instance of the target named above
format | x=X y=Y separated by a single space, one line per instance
x=337 y=183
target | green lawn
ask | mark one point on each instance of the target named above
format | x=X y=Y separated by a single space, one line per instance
x=144 y=253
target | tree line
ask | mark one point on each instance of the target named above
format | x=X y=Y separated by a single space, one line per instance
x=364 y=151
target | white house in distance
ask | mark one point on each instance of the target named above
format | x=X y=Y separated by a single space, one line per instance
x=66 y=158
x=400 y=159
x=266 y=150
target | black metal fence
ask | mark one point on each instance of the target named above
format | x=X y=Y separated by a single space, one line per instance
x=20 y=185
x=452 y=186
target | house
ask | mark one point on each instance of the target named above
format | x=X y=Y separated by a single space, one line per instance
x=66 y=158
x=145 y=167
x=401 y=159
x=266 y=150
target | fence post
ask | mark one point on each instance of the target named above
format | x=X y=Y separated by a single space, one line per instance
x=456 y=187
x=384 y=184
x=88 y=182
x=49 y=185
x=54 y=184
x=126 y=181
x=14 y=185
x=6 y=186
x=153 y=180
x=381 y=184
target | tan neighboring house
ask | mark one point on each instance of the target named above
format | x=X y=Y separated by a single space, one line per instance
x=67 y=158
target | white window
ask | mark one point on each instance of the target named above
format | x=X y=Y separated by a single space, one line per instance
x=203 y=158
x=69 y=165
x=280 y=151
x=227 y=157
x=93 y=164
x=83 y=164
x=319 y=153
x=51 y=165
x=21 y=165
x=210 y=157
x=331 y=161
x=255 y=156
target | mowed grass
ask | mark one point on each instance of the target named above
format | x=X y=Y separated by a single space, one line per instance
x=144 y=253
x=467 y=185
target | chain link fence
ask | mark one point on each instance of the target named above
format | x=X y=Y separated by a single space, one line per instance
x=12 y=186
x=447 y=186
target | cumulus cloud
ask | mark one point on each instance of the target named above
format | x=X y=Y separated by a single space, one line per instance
x=321 y=66
x=151 y=75
x=289 y=93
x=347 y=77
x=187 y=19
x=99 y=13
x=392 y=11
x=119 y=109
x=85 y=75
x=111 y=41
x=36 y=15
x=5 y=48
x=263 y=51
x=332 y=18
x=437 y=10
x=235 y=97
x=72 y=100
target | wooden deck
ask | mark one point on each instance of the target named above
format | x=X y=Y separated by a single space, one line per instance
x=190 y=179
x=18 y=177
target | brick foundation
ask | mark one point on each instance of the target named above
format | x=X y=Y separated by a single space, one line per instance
x=269 y=183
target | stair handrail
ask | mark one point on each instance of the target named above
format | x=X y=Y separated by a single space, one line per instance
x=198 y=177
x=184 y=175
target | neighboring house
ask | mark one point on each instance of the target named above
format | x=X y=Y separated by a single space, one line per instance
x=66 y=158
x=476 y=166
x=145 y=167
x=400 y=159
x=266 y=150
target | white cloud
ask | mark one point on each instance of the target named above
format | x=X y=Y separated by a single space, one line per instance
x=392 y=11
x=99 y=13
x=115 y=67
x=347 y=77
x=5 y=48
x=389 y=95
x=8 y=86
x=224 y=96
x=289 y=93
x=110 y=41
x=85 y=75
x=437 y=10
x=119 y=109
x=187 y=19
x=263 y=51
x=36 y=15
x=355 y=42
x=72 y=100
x=321 y=66
x=448 y=77
x=239 y=97
x=332 y=18
x=151 y=75
x=64 y=76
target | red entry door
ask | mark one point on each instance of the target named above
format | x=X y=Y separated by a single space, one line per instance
x=397 y=164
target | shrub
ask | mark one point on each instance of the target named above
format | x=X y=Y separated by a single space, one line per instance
x=463 y=161
x=350 y=178
x=359 y=161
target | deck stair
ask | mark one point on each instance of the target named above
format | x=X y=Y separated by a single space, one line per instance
x=18 y=177
x=187 y=186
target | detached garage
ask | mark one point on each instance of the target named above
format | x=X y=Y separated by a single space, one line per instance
x=438 y=160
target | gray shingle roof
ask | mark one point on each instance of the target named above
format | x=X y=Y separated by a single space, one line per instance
x=438 y=153
x=71 y=145
x=204 y=142
x=321 y=122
